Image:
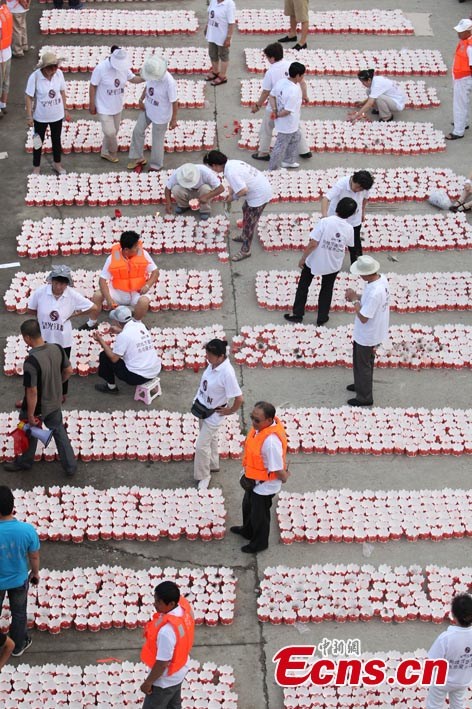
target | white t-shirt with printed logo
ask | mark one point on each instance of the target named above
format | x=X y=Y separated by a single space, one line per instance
x=240 y=175
x=217 y=386
x=136 y=348
x=341 y=189
x=207 y=177
x=381 y=85
x=455 y=645
x=276 y=71
x=289 y=98
x=333 y=235
x=110 y=83
x=54 y=313
x=273 y=458
x=220 y=15
x=160 y=95
x=49 y=106
x=375 y=305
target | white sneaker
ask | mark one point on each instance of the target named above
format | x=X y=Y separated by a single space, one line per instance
x=290 y=165
x=203 y=484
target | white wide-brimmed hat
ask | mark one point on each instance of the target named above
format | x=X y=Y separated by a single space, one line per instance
x=464 y=25
x=188 y=175
x=119 y=60
x=365 y=266
x=49 y=59
x=154 y=68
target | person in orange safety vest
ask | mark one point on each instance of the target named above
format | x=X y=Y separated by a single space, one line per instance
x=6 y=34
x=127 y=277
x=265 y=469
x=462 y=79
x=168 y=642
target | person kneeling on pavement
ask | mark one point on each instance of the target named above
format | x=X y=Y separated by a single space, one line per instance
x=192 y=183
x=133 y=357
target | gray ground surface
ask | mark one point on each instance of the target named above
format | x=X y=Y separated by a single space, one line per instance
x=247 y=645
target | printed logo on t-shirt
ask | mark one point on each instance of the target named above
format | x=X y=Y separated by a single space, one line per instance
x=117 y=82
x=204 y=385
x=54 y=315
x=151 y=91
x=51 y=93
x=467 y=649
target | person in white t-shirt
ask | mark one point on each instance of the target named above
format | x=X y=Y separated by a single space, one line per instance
x=370 y=326
x=286 y=102
x=54 y=304
x=324 y=257
x=357 y=187
x=277 y=70
x=384 y=97
x=46 y=105
x=244 y=181
x=19 y=10
x=455 y=646
x=217 y=387
x=133 y=357
x=159 y=105
x=464 y=203
x=218 y=33
x=192 y=183
x=106 y=97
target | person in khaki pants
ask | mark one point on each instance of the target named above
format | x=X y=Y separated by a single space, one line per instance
x=298 y=12
x=19 y=9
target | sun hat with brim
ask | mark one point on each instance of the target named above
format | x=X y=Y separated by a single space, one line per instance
x=121 y=314
x=119 y=60
x=154 y=68
x=464 y=25
x=365 y=266
x=49 y=59
x=61 y=271
x=188 y=175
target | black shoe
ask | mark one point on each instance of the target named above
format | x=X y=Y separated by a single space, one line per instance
x=351 y=387
x=18 y=653
x=256 y=156
x=375 y=112
x=105 y=389
x=293 y=318
x=70 y=473
x=467 y=127
x=238 y=530
x=300 y=46
x=356 y=402
x=306 y=156
x=86 y=326
x=287 y=39
x=322 y=321
x=248 y=549
x=14 y=467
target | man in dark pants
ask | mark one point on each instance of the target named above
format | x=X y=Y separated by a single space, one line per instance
x=133 y=358
x=19 y=543
x=370 y=326
x=44 y=371
x=324 y=257
x=265 y=469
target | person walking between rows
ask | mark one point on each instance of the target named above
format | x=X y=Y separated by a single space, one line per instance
x=19 y=10
x=298 y=12
x=462 y=79
x=324 y=257
x=286 y=101
x=218 y=33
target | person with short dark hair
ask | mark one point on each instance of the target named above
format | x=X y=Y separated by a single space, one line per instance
x=127 y=277
x=286 y=100
x=384 y=97
x=217 y=387
x=166 y=650
x=244 y=181
x=277 y=70
x=324 y=257
x=19 y=546
x=45 y=369
x=454 y=646
x=265 y=469
x=357 y=187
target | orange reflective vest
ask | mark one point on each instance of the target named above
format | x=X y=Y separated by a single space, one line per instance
x=253 y=463
x=128 y=274
x=6 y=25
x=184 y=628
x=461 y=67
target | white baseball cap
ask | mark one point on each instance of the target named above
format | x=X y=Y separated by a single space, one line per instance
x=188 y=175
x=464 y=25
x=121 y=314
x=365 y=266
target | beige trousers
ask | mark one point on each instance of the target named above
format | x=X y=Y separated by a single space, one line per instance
x=19 y=42
x=110 y=128
x=386 y=106
x=206 y=451
x=183 y=195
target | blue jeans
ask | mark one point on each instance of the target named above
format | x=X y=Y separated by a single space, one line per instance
x=18 y=598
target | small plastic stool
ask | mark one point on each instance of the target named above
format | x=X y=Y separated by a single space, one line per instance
x=149 y=391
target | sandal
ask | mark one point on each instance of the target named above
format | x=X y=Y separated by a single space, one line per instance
x=241 y=255
x=212 y=77
x=219 y=81
x=453 y=136
x=238 y=239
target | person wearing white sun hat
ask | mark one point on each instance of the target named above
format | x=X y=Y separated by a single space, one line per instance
x=106 y=97
x=462 y=79
x=192 y=182
x=159 y=105
x=372 y=310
